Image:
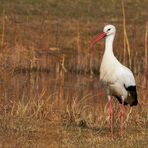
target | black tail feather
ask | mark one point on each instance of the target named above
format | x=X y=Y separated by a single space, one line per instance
x=132 y=95
x=131 y=98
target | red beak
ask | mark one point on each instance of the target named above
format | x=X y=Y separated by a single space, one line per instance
x=98 y=38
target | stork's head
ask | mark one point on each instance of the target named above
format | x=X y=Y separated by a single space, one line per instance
x=107 y=31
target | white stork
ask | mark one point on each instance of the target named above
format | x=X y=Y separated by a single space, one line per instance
x=117 y=78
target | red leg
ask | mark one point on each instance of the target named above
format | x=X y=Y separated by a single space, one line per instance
x=110 y=115
x=122 y=117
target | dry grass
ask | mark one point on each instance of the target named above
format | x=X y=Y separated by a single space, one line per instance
x=53 y=38
x=82 y=126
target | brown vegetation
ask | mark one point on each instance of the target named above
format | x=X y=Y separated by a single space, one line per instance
x=50 y=94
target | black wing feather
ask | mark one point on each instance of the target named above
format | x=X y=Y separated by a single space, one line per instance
x=132 y=95
x=131 y=98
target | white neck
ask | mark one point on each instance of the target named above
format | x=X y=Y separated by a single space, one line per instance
x=109 y=45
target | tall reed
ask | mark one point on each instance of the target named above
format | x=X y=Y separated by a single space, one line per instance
x=146 y=52
x=126 y=40
x=3 y=28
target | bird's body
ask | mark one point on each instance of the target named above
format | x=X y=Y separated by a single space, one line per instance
x=117 y=79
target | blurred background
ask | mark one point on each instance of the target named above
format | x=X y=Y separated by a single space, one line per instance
x=48 y=69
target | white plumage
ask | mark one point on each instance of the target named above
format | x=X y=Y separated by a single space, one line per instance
x=118 y=79
x=115 y=75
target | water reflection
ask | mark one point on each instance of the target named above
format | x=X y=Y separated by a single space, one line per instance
x=62 y=89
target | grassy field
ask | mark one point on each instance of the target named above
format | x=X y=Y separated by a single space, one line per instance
x=52 y=37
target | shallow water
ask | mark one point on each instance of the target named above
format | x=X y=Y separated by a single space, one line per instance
x=64 y=88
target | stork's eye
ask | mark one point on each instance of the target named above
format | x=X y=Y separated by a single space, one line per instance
x=109 y=29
